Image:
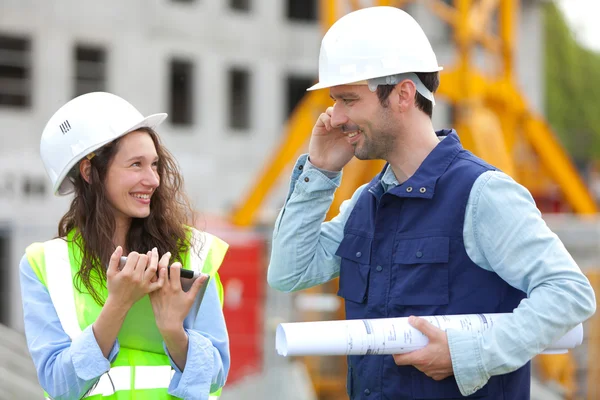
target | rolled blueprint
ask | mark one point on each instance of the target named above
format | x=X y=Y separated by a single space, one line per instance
x=386 y=335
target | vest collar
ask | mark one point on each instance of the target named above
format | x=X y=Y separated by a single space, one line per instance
x=422 y=183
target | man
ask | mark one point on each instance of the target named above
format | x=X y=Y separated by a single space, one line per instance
x=438 y=231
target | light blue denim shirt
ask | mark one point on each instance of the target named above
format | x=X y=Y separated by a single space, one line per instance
x=67 y=369
x=503 y=232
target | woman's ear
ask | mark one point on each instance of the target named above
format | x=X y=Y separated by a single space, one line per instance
x=85 y=169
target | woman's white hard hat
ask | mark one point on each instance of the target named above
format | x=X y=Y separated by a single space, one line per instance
x=83 y=125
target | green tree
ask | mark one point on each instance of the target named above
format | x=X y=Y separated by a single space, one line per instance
x=572 y=88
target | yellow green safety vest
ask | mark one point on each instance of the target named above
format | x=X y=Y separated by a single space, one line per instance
x=134 y=373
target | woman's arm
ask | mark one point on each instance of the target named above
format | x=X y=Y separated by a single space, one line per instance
x=207 y=361
x=66 y=369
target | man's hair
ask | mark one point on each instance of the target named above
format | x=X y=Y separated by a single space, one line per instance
x=431 y=80
x=91 y=216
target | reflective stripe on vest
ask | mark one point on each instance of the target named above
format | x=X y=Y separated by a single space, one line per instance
x=59 y=282
x=118 y=378
x=60 y=285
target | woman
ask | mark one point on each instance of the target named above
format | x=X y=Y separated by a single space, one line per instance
x=76 y=297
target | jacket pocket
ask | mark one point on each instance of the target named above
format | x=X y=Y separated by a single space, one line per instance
x=425 y=388
x=355 y=254
x=420 y=271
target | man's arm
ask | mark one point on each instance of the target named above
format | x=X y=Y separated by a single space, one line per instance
x=303 y=250
x=505 y=233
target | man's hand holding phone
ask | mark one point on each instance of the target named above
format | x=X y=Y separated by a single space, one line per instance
x=329 y=148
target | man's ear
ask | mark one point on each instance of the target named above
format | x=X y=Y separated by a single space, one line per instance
x=85 y=169
x=406 y=93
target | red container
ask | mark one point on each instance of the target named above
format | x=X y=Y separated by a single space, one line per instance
x=242 y=275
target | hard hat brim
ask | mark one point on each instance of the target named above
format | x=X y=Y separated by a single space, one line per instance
x=325 y=85
x=64 y=186
x=318 y=86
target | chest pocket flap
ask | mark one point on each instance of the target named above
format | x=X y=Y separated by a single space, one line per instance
x=423 y=250
x=420 y=271
x=355 y=253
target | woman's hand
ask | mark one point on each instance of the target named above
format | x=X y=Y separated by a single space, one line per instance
x=135 y=280
x=125 y=287
x=171 y=305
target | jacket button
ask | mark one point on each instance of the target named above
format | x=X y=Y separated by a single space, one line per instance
x=300 y=167
x=419 y=254
x=379 y=268
x=358 y=254
x=306 y=179
x=409 y=189
x=367 y=392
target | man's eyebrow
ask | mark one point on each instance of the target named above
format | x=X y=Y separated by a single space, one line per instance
x=344 y=94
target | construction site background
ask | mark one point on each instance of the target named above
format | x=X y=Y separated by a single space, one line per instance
x=232 y=76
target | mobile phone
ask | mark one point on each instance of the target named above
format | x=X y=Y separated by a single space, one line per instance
x=185 y=273
x=188 y=277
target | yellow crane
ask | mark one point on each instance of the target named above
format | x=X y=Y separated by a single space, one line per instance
x=493 y=120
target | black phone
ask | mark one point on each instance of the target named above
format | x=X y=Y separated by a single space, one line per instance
x=185 y=273
x=188 y=277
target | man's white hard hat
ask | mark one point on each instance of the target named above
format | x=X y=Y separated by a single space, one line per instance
x=83 y=125
x=373 y=42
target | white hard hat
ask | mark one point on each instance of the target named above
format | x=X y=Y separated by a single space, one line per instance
x=373 y=42
x=83 y=125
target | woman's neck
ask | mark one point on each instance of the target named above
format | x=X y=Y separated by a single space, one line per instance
x=122 y=226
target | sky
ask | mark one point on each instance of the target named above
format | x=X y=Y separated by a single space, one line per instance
x=582 y=16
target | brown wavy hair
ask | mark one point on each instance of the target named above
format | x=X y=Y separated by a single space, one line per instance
x=92 y=218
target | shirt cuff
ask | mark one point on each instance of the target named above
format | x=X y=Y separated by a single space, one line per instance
x=304 y=173
x=313 y=181
x=468 y=367
x=195 y=380
x=88 y=360
x=330 y=174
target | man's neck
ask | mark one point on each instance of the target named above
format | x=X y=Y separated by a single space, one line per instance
x=412 y=149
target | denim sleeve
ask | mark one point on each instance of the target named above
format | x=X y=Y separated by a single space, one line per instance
x=66 y=369
x=303 y=249
x=208 y=358
x=504 y=232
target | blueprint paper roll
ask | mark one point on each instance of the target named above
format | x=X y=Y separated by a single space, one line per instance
x=386 y=335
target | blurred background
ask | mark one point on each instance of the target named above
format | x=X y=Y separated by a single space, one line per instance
x=521 y=85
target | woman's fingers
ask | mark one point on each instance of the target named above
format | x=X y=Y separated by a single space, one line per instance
x=175 y=276
x=150 y=272
x=115 y=258
x=160 y=282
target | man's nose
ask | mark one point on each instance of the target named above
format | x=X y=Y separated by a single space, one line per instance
x=338 y=117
